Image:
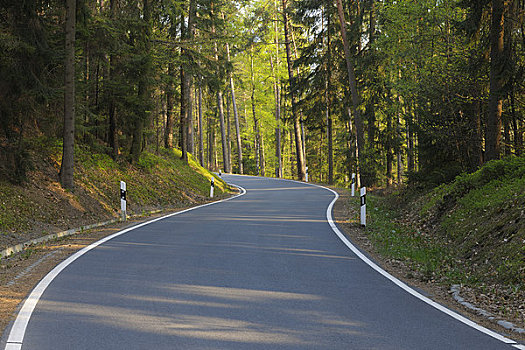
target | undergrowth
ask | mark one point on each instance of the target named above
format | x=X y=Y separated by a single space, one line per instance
x=157 y=181
x=470 y=231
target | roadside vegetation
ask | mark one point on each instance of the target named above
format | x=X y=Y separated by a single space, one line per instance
x=41 y=206
x=469 y=232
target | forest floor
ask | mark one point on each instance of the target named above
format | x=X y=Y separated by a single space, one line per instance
x=40 y=206
x=469 y=234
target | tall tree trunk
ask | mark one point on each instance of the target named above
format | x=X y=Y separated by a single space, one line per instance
x=188 y=80
x=228 y=130
x=168 y=131
x=220 y=109
x=301 y=167
x=68 y=151
x=201 y=130
x=184 y=87
x=235 y=114
x=256 y=127
x=497 y=66
x=356 y=100
x=211 y=142
x=182 y=116
x=277 y=96
x=370 y=108
x=389 y=149
x=190 y=139
x=143 y=88
x=518 y=134
x=112 y=111
x=329 y=134
x=261 y=153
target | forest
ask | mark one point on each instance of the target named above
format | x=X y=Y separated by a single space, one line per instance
x=397 y=91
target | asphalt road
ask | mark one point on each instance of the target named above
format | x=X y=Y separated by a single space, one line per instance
x=261 y=271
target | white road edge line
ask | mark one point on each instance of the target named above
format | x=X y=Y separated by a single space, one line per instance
x=403 y=285
x=17 y=332
x=397 y=282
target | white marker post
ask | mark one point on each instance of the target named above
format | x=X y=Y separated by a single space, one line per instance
x=123 y=200
x=212 y=187
x=363 y=206
x=306 y=174
x=353 y=184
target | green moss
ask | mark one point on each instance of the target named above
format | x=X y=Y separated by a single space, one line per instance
x=475 y=227
x=402 y=242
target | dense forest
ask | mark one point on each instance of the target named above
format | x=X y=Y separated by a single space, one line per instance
x=395 y=91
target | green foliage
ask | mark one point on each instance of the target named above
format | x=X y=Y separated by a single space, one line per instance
x=405 y=243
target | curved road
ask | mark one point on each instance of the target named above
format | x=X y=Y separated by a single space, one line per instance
x=261 y=271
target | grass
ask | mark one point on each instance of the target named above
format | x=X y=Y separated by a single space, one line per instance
x=157 y=181
x=406 y=243
x=470 y=231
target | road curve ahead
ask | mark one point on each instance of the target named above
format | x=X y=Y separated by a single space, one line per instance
x=261 y=271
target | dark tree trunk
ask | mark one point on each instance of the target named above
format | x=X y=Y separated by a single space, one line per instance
x=143 y=89
x=301 y=167
x=168 y=131
x=201 y=131
x=356 y=100
x=235 y=115
x=497 y=65
x=112 y=110
x=68 y=154
x=277 y=96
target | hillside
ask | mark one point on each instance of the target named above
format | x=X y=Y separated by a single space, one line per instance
x=40 y=206
x=470 y=232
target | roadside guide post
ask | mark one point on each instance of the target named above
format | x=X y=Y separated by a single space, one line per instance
x=363 y=206
x=212 y=187
x=353 y=184
x=306 y=174
x=123 y=200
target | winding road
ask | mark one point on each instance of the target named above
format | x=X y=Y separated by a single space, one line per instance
x=263 y=270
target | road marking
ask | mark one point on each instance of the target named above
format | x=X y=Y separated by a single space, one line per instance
x=396 y=281
x=402 y=284
x=17 y=333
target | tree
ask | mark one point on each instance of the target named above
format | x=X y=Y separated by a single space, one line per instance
x=497 y=70
x=68 y=161
x=301 y=167
x=356 y=100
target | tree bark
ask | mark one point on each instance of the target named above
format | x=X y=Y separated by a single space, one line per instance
x=497 y=65
x=329 y=134
x=67 y=166
x=277 y=96
x=168 y=131
x=356 y=100
x=228 y=130
x=190 y=34
x=301 y=167
x=201 y=137
x=220 y=110
x=256 y=128
x=235 y=114
x=276 y=93
x=112 y=110
x=143 y=88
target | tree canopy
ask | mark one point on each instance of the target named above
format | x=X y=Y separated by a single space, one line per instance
x=394 y=91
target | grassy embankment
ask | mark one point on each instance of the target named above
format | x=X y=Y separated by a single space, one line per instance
x=469 y=232
x=40 y=206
